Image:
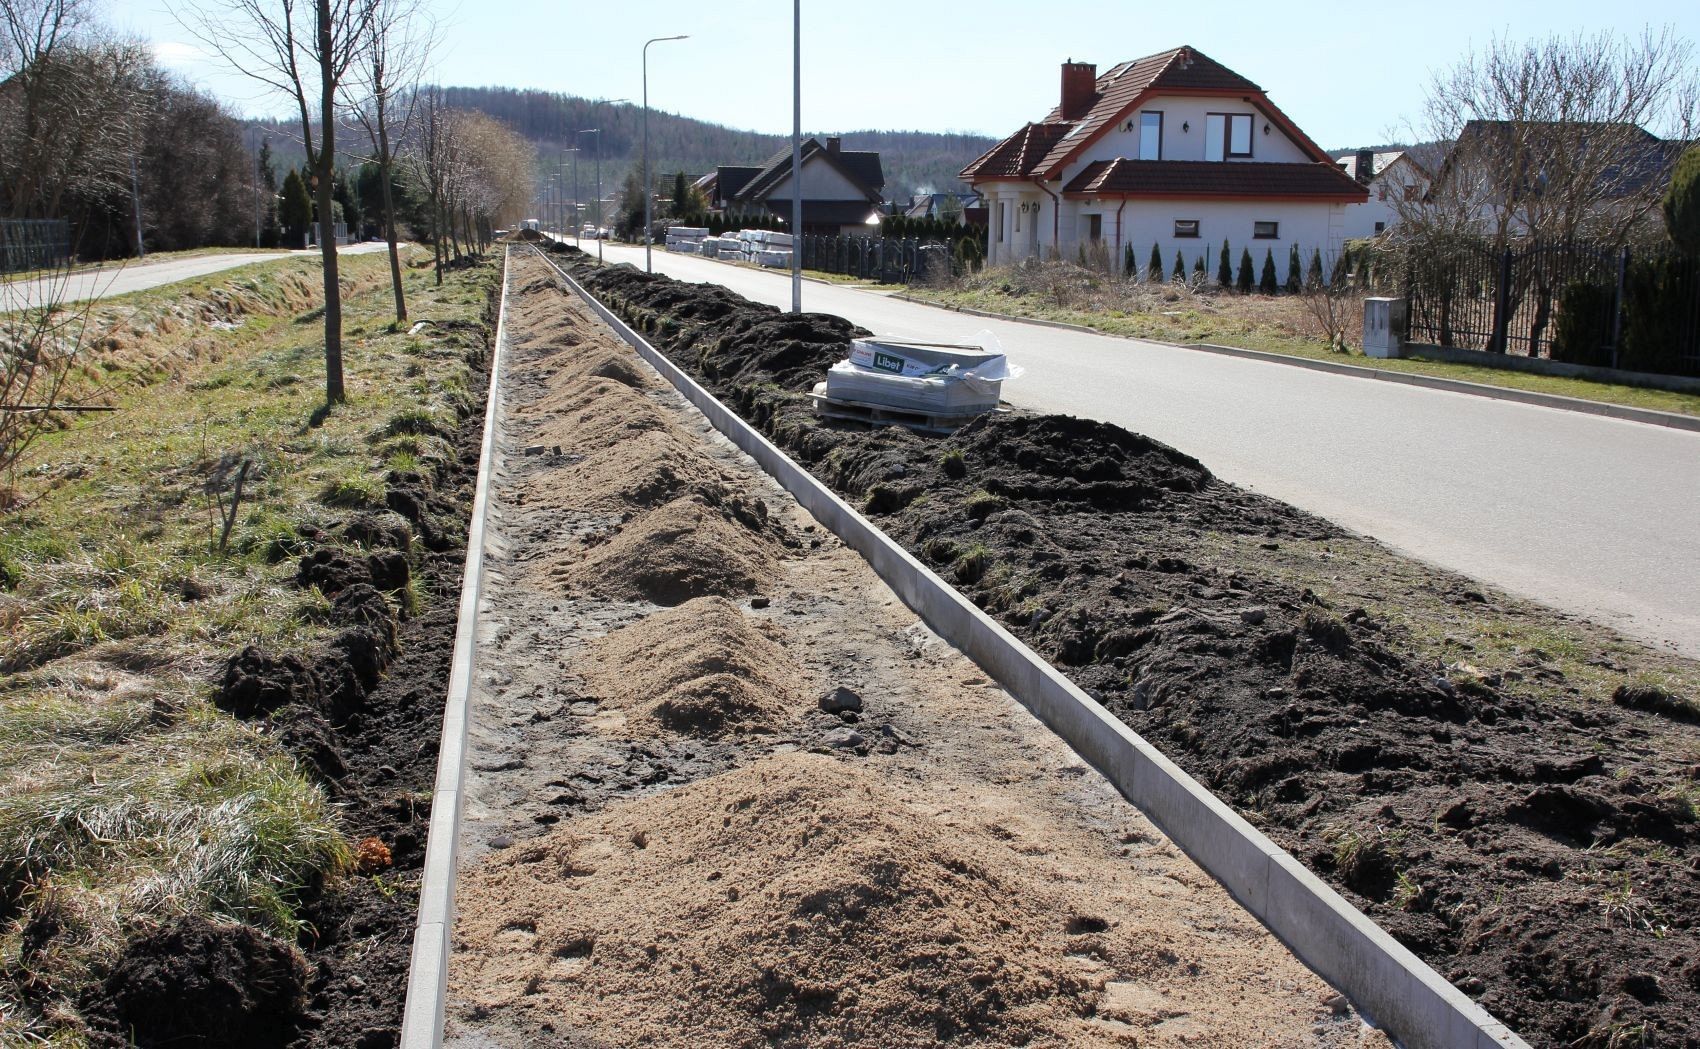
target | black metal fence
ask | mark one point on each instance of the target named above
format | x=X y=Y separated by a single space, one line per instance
x=33 y=244
x=888 y=260
x=1579 y=303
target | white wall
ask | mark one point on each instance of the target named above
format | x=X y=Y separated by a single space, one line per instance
x=1179 y=110
x=1147 y=222
x=821 y=181
x=1384 y=193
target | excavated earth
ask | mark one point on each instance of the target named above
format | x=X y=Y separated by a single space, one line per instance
x=1540 y=851
x=724 y=789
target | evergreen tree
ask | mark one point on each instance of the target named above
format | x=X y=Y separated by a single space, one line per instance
x=681 y=200
x=1293 y=268
x=1128 y=265
x=1154 y=267
x=1224 y=268
x=1198 y=270
x=343 y=193
x=1266 y=282
x=1180 y=268
x=1244 y=281
x=1313 y=277
x=1682 y=202
x=270 y=233
x=295 y=210
x=1342 y=266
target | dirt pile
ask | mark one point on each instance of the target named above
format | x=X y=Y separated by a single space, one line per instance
x=1431 y=793
x=703 y=667
x=668 y=555
x=651 y=468
x=591 y=413
x=795 y=900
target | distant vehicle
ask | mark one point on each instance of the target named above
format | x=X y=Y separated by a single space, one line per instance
x=531 y=224
x=594 y=232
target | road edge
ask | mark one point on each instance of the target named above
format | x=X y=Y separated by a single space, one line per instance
x=1624 y=413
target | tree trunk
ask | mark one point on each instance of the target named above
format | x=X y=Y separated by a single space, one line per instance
x=334 y=393
x=389 y=215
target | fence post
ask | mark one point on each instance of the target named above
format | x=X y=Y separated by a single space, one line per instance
x=1617 y=303
x=1501 y=305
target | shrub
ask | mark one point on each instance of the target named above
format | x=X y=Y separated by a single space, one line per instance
x=1198 y=269
x=1293 y=266
x=1313 y=277
x=1682 y=202
x=1180 y=268
x=1244 y=282
x=1583 y=324
x=1224 y=269
x=1128 y=264
x=1154 y=268
x=1266 y=280
x=953 y=464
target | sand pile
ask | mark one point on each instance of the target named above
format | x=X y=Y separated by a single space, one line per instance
x=590 y=413
x=703 y=667
x=648 y=469
x=793 y=901
x=535 y=319
x=668 y=555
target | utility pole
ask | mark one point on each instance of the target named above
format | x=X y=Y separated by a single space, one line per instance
x=256 y=189
x=796 y=156
x=136 y=204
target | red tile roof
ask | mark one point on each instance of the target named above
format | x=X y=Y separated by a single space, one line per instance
x=1017 y=155
x=1041 y=148
x=1204 y=178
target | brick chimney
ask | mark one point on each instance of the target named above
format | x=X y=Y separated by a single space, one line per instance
x=1365 y=166
x=1079 y=86
x=833 y=143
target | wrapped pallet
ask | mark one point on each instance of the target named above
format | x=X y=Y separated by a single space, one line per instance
x=774 y=259
x=936 y=383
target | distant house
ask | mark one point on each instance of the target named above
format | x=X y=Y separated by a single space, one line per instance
x=843 y=190
x=934 y=205
x=1173 y=149
x=1392 y=177
x=1555 y=178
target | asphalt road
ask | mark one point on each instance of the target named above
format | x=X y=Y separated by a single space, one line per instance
x=124 y=278
x=1586 y=514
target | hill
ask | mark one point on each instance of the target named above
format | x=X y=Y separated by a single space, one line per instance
x=914 y=161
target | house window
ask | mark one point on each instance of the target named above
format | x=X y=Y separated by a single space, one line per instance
x=1018 y=212
x=1094 y=227
x=1265 y=230
x=1001 y=207
x=1379 y=226
x=1227 y=135
x=1151 y=136
x=1186 y=228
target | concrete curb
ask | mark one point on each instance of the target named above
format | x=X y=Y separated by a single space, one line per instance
x=428 y=970
x=1475 y=389
x=1388 y=983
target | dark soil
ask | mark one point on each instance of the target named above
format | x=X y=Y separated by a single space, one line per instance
x=363 y=711
x=1539 y=850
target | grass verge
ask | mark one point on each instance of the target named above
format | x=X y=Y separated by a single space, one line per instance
x=126 y=798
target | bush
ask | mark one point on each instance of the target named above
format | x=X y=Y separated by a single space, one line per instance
x=1682 y=202
x=1198 y=269
x=1224 y=268
x=1180 y=268
x=1661 y=300
x=1313 y=277
x=1293 y=267
x=1244 y=281
x=1583 y=325
x=1266 y=281
x=1154 y=268
x=1128 y=264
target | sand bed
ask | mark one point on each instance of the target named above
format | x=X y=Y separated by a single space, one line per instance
x=671 y=844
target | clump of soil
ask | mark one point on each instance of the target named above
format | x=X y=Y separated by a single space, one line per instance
x=194 y=983
x=668 y=555
x=703 y=667
x=1430 y=794
x=793 y=901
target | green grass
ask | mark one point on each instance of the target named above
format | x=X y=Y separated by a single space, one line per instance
x=1270 y=325
x=125 y=796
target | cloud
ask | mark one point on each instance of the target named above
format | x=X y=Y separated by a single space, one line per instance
x=177 y=54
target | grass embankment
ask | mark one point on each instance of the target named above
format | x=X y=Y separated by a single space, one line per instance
x=126 y=797
x=1278 y=324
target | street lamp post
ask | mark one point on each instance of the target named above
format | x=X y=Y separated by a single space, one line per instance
x=600 y=203
x=647 y=238
x=796 y=156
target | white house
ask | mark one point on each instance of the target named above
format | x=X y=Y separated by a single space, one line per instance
x=1392 y=177
x=1173 y=149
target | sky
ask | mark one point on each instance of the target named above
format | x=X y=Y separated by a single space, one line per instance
x=1348 y=74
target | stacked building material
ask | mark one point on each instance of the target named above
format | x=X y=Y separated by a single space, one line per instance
x=927 y=386
x=686 y=239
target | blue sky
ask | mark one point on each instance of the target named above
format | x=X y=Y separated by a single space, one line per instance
x=1348 y=74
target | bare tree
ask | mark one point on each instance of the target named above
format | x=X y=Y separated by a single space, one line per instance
x=303 y=49
x=1556 y=138
x=42 y=335
x=397 y=49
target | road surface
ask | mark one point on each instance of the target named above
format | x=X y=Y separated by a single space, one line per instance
x=1586 y=514
x=124 y=278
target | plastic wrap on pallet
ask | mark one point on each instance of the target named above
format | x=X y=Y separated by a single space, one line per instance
x=935 y=378
x=926 y=395
x=774 y=259
x=687 y=232
x=777 y=240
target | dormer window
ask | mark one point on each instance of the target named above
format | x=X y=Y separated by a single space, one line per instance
x=1151 y=136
